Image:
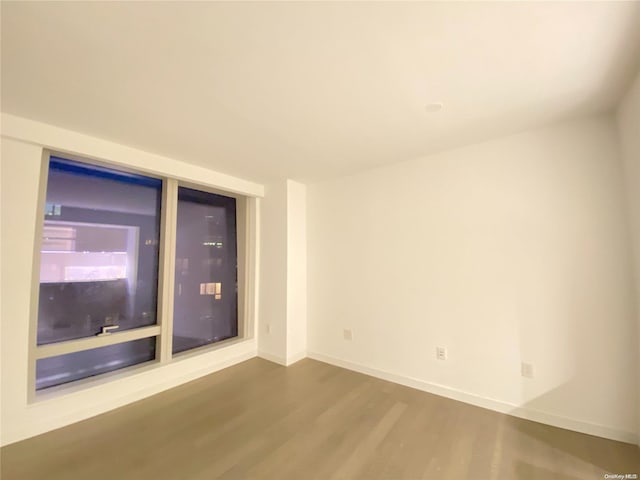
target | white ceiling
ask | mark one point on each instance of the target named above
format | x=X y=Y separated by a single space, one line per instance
x=312 y=90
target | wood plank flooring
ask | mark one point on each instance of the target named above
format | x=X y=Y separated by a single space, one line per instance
x=259 y=420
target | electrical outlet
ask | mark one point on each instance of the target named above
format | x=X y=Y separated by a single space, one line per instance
x=527 y=370
x=441 y=353
x=348 y=335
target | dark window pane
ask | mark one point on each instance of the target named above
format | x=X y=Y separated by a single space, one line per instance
x=206 y=297
x=99 y=255
x=74 y=366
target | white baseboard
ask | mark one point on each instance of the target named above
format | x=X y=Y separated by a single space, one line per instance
x=488 y=403
x=291 y=359
x=273 y=358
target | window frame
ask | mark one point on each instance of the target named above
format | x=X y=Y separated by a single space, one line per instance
x=246 y=231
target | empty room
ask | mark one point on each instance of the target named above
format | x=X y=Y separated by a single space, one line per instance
x=320 y=240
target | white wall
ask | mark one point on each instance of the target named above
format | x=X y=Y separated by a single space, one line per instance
x=272 y=331
x=628 y=117
x=1 y=302
x=296 y=271
x=22 y=147
x=282 y=334
x=506 y=251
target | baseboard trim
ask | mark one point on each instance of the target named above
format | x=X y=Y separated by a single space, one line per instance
x=291 y=359
x=484 y=402
x=273 y=358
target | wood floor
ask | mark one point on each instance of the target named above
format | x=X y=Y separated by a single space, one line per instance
x=259 y=420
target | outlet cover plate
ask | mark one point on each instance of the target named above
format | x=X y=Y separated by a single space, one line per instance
x=441 y=353
x=527 y=370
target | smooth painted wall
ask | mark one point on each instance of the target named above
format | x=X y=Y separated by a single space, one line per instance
x=296 y=271
x=628 y=119
x=272 y=328
x=507 y=251
x=282 y=333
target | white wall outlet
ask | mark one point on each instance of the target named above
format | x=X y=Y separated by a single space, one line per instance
x=348 y=335
x=268 y=328
x=441 y=353
x=527 y=370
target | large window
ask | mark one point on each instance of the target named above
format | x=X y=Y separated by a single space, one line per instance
x=108 y=246
x=205 y=298
x=99 y=257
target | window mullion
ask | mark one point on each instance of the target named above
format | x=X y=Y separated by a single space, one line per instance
x=80 y=344
x=167 y=268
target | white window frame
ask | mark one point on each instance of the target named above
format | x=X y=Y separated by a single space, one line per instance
x=246 y=231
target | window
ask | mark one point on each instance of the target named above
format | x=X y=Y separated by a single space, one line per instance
x=205 y=298
x=99 y=256
x=107 y=241
x=66 y=368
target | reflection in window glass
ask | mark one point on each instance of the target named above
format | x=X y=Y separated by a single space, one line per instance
x=87 y=363
x=99 y=255
x=206 y=298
